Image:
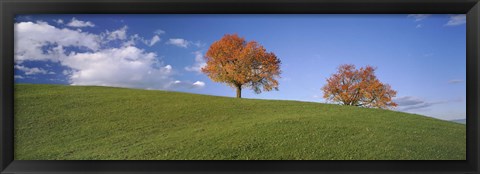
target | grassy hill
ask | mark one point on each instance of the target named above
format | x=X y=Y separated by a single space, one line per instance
x=104 y=123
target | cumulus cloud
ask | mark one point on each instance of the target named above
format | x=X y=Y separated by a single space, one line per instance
x=178 y=42
x=455 y=20
x=159 y=32
x=154 y=40
x=59 y=21
x=91 y=62
x=120 y=34
x=418 y=17
x=132 y=40
x=31 y=38
x=78 y=23
x=199 y=84
x=32 y=71
x=199 y=63
x=186 y=84
x=122 y=67
x=66 y=72
x=136 y=38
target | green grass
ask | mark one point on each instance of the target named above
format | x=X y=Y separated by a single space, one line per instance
x=54 y=122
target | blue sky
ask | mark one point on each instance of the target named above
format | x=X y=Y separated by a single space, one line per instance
x=421 y=56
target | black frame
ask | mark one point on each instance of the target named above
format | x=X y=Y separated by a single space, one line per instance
x=9 y=8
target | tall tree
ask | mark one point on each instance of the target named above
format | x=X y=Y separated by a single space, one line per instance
x=241 y=64
x=358 y=87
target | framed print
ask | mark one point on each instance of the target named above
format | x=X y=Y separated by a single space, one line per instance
x=239 y=86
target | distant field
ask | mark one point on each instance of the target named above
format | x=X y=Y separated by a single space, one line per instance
x=55 y=122
x=462 y=121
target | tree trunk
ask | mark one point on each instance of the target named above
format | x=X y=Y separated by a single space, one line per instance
x=239 y=91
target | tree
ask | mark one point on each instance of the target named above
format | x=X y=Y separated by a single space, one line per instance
x=240 y=64
x=361 y=87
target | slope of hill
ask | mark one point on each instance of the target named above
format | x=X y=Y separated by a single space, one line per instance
x=104 y=123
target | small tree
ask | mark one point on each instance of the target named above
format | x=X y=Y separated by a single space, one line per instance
x=242 y=64
x=361 y=87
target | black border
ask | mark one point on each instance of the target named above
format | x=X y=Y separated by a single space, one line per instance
x=8 y=9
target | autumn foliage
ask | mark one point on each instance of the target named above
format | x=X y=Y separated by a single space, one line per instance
x=241 y=64
x=358 y=87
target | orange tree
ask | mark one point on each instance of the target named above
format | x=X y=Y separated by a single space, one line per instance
x=358 y=87
x=241 y=64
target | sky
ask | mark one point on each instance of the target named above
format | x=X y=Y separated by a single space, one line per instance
x=422 y=57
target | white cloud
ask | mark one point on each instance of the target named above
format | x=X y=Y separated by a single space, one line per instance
x=93 y=63
x=66 y=72
x=418 y=17
x=159 y=32
x=132 y=41
x=419 y=26
x=18 y=77
x=199 y=63
x=122 y=67
x=178 y=42
x=455 y=20
x=120 y=34
x=32 y=71
x=199 y=84
x=154 y=40
x=78 y=23
x=188 y=85
x=136 y=38
x=59 y=21
x=30 y=38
